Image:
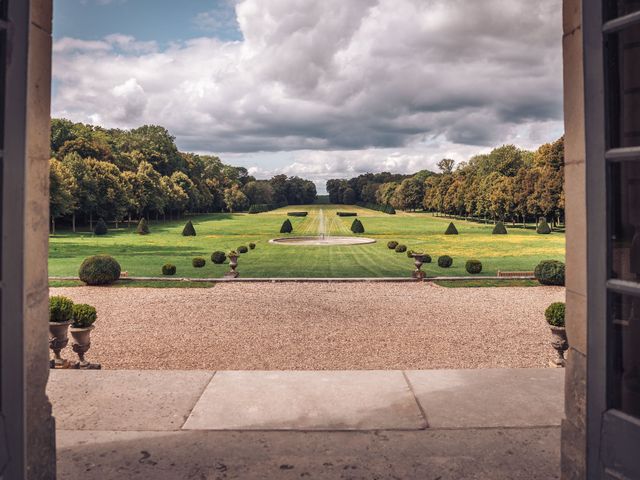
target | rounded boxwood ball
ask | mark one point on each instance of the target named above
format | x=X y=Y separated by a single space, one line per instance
x=401 y=248
x=445 y=261
x=99 y=270
x=218 y=257
x=550 y=272
x=473 y=266
x=168 y=269
x=242 y=249
x=252 y=246
x=555 y=314
x=392 y=245
x=198 y=262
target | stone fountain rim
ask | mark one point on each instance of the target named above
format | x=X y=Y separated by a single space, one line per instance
x=318 y=241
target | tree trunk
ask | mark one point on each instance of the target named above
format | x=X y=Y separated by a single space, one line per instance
x=91 y=221
x=129 y=220
x=53 y=225
x=116 y=223
x=73 y=222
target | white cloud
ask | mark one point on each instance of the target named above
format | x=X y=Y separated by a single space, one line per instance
x=359 y=79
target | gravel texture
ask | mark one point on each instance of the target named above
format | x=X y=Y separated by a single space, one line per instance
x=318 y=326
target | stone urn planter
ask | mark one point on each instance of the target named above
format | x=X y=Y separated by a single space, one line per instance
x=418 y=261
x=233 y=264
x=555 y=318
x=81 y=344
x=58 y=339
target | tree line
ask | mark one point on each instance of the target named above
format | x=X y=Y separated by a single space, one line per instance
x=508 y=183
x=118 y=174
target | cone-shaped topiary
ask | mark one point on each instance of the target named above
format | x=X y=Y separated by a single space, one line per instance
x=451 y=230
x=499 y=229
x=473 y=266
x=168 y=269
x=550 y=272
x=445 y=261
x=555 y=314
x=188 y=230
x=357 y=227
x=101 y=227
x=286 y=227
x=218 y=257
x=60 y=309
x=392 y=245
x=543 y=227
x=198 y=262
x=143 y=227
x=99 y=270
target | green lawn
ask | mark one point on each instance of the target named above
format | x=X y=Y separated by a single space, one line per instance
x=144 y=255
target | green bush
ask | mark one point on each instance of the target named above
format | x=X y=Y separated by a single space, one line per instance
x=410 y=253
x=168 y=269
x=83 y=315
x=426 y=258
x=499 y=229
x=392 y=245
x=377 y=207
x=242 y=249
x=286 y=227
x=473 y=266
x=357 y=227
x=445 y=261
x=252 y=246
x=297 y=214
x=555 y=314
x=265 y=207
x=188 y=230
x=218 y=257
x=101 y=227
x=550 y=272
x=451 y=230
x=143 y=227
x=401 y=248
x=347 y=214
x=60 y=309
x=543 y=227
x=99 y=270
x=198 y=262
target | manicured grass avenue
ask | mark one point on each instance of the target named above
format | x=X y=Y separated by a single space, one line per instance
x=144 y=255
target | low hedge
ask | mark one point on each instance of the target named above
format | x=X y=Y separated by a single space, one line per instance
x=99 y=270
x=168 y=269
x=347 y=214
x=297 y=214
x=473 y=266
x=265 y=207
x=198 y=262
x=445 y=261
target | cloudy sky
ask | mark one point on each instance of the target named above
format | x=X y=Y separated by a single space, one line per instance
x=320 y=89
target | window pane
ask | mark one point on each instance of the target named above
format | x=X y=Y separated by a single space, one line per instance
x=625 y=220
x=623 y=85
x=619 y=8
x=624 y=383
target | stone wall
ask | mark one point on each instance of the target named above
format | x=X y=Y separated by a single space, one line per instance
x=574 y=424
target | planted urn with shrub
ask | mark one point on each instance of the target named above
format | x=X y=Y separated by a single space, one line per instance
x=84 y=317
x=357 y=227
x=392 y=245
x=451 y=230
x=445 y=261
x=60 y=316
x=473 y=266
x=543 y=227
x=286 y=227
x=143 y=227
x=218 y=257
x=198 y=262
x=101 y=227
x=401 y=248
x=168 y=269
x=99 y=270
x=189 y=230
x=555 y=316
x=499 y=229
x=550 y=272
x=242 y=249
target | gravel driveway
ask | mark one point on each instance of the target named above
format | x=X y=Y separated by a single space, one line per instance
x=318 y=326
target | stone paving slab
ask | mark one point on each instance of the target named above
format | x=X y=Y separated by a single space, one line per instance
x=306 y=400
x=124 y=399
x=518 y=397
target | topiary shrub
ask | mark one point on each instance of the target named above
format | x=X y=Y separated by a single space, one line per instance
x=83 y=315
x=410 y=253
x=347 y=214
x=392 y=245
x=357 y=227
x=286 y=227
x=198 y=262
x=297 y=214
x=188 y=230
x=242 y=249
x=499 y=229
x=473 y=266
x=101 y=227
x=550 y=272
x=252 y=246
x=426 y=258
x=168 y=269
x=218 y=257
x=451 y=230
x=99 y=270
x=143 y=227
x=543 y=227
x=401 y=248
x=445 y=261
x=60 y=309
x=555 y=314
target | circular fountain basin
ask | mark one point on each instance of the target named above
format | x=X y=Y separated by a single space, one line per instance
x=322 y=241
